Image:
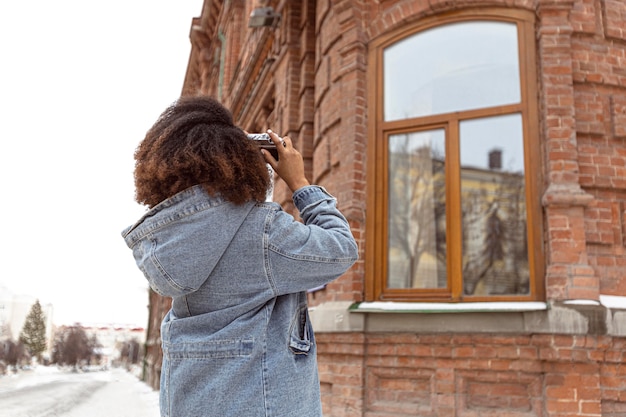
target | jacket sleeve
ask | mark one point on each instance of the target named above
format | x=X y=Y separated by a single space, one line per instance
x=306 y=255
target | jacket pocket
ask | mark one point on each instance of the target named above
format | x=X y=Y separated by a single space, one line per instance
x=199 y=373
x=301 y=332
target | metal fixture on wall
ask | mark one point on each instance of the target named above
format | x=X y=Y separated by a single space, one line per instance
x=263 y=17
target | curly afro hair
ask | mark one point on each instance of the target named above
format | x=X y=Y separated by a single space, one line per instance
x=194 y=141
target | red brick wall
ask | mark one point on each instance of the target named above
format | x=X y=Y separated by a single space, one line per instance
x=339 y=159
x=308 y=78
x=465 y=375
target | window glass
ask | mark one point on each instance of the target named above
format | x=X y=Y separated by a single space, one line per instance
x=455 y=67
x=493 y=201
x=417 y=210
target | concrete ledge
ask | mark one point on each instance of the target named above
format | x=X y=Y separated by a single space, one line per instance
x=335 y=316
x=617 y=324
x=569 y=317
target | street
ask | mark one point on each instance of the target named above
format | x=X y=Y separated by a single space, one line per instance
x=50 y=392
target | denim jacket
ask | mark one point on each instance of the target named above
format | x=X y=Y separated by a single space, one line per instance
x=238 y=339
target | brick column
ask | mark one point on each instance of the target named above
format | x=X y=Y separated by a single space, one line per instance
x=568 y=273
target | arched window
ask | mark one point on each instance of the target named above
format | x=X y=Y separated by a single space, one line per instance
x=453 y=212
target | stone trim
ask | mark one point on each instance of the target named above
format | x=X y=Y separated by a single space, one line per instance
x=574 y=317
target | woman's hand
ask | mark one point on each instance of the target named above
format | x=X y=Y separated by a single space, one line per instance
x=290 y=165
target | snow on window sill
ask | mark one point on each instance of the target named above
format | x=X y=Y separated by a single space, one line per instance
x=404 y=307
x=609 y=301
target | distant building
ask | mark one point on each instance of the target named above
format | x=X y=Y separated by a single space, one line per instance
x=111 y=337
x=13 y=311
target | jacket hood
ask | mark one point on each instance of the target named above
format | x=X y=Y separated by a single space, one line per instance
x=178 y=243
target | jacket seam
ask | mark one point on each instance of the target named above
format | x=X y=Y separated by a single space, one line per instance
x=148 y=228
x=265 y=370
x=310 y=258
x=266 y=249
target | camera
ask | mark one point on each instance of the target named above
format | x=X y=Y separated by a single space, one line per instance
x=264 y=141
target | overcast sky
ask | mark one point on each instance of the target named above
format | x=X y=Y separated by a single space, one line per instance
x=80 y=83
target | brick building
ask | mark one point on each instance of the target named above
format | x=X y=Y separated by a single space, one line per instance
x=478 y=149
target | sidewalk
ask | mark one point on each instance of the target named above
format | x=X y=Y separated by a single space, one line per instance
x=123 y=396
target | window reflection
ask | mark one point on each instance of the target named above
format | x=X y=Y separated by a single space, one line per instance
x=455 y=67
x=493 y=200
x=416 y=212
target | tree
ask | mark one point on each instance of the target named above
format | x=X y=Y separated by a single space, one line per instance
x=34 y=331
x=130 y=352
x=417 y=213
x=12 y=353
x=95 y=347
x=72 y=346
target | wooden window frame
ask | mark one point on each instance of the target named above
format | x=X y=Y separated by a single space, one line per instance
x=379 y=131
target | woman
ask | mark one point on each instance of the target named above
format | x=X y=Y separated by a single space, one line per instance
x=237 y=340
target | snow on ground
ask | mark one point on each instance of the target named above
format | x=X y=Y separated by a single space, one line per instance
x=53 y=392
x=124 y=396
